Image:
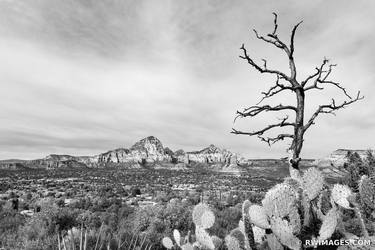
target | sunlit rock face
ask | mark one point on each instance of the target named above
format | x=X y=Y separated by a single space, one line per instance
x=338 y=157
x=333 y=165
x=212 y=154
x=149 y=149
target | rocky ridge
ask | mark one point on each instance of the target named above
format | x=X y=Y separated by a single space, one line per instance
x=333 y=165
x=147 y=150
x=338 y=157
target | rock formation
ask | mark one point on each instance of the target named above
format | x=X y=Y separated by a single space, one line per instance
x=147 y=150
x=338 y=157
x=211 y=154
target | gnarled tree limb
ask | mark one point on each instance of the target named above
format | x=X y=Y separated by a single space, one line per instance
x=331 y=108
x=255 y=110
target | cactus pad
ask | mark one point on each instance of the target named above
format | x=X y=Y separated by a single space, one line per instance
x=203 y=216
x=259 y=234
x=284 y=233
x=273 y=243
x=232 y=243
x=177 y=237
x=258 y=216
x=239 y=237
x=167 y=242
x=339 y=195
x=294 y=220
x=204 y=238
x=312 y=183
x=329 y=224
x=279 y=200
x=245 y=206
x=217 y=241
x=187 y=246
x=367 y=191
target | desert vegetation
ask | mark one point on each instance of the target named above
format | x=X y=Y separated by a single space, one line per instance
x=298 y=214
x=96 y=212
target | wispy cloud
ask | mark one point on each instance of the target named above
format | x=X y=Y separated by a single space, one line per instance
x=85 y=76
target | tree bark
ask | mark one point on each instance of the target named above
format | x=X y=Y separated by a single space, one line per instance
x=298 y=135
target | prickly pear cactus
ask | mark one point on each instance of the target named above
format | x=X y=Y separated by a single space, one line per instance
x=329 y=224
x=167 y=242
x=203 y=216
x=340 y=195
x=279 y=200
x=217 y=241
x=245 y=225
x=284 y=233
x=187 y=246
x=259 y=234
x=232 y=243
x=273 y=243
x=312 y=183
x=278 y=222
x=204 y=238
x=236 y=240
x=367 y=191
x=294 y=220
x=177 y=237
x=258 y=216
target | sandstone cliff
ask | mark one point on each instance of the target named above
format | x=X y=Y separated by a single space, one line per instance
x=147 y=150
x=338 y=157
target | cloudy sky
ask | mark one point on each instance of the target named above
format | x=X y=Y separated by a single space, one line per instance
x=83 y=76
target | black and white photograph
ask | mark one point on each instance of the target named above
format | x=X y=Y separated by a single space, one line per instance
x=187 y=125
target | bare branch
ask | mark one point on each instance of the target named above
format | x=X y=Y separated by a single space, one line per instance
x=272 y=140
x=273 y=39
x=282 y=123
x=321 y=77
x=261 y=69
x=292 y=39
x=269 y=140
x=275 y=89
x=275 y=42
x=318 y=74
x=331 y=108
x=275 y=23
x=255 y=110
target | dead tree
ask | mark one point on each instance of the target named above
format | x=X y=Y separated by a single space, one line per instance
x=288 y=82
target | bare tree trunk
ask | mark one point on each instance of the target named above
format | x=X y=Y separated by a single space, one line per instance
x=298 y=135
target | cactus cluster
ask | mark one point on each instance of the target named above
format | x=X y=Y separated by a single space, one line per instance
x=286 y=210
x=367 y=192
x=286 y=216
x=203 y=218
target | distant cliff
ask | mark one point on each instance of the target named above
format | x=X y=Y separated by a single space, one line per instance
x=338 y=157
x=147 y=150
x=333 y=164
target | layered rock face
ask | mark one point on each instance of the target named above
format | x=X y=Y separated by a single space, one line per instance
x=338 y=157
x=211 y=154
x=57 y=161
x=147 y=150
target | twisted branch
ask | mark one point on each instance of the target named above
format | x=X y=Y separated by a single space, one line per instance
x=256 y=110
x=331 y=108
x=275 y=89
x=270 y=140
x=321 y=77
